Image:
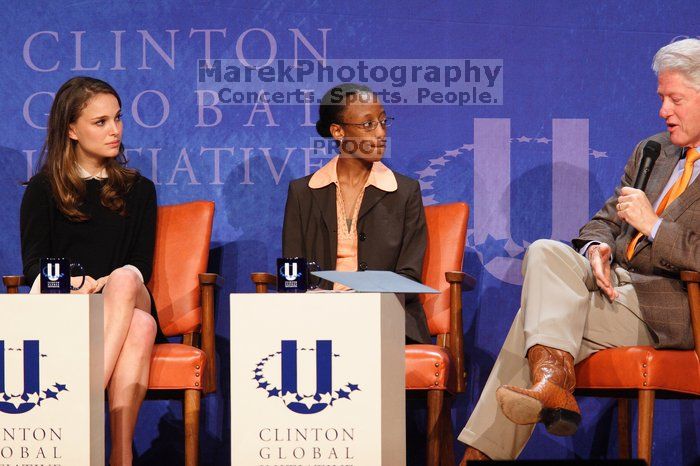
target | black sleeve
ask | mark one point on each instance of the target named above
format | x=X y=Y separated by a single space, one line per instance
x=410 y=262
x=141 y=254
x=34 y=225
x=292 y=238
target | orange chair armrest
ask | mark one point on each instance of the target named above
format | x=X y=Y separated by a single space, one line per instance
x=207 y=284
x=13 y=282
x=690 y=276
x=263 y=281
x=692 y=282
x=467 y=281
x=211 y=279
x=456 y=280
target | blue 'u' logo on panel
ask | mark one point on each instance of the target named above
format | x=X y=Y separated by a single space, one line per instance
x=285 y=384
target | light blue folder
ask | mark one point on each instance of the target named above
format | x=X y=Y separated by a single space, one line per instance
x=375 y=281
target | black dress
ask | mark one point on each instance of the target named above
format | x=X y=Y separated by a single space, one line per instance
x=101 y=244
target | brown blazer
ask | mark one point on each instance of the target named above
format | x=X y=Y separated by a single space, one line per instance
x=656 y=265
x=391 y=235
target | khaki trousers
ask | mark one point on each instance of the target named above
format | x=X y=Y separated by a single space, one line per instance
x=562 y=307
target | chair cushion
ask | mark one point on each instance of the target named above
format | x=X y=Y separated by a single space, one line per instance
x=175 y=366
x=641 y=367
x=427 y=367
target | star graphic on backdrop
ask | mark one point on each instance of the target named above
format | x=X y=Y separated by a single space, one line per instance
x=425 y=184
x=492 y=248
x=353 y=387
x=452 y=153
x=438 y=161
x=429 y=200
x=50 y=394
x=263 y=385
x=343 y=394
x=523 y=139
x=598 y=154
x=274 y=392
x=543 y=140
x=289 y=397
x=60 y=387
x=513 y=249
x=428 y=171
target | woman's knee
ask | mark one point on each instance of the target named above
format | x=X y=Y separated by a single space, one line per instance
x=123 y=281
x=143 y=327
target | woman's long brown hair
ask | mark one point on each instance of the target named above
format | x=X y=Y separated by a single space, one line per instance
x=58 y=159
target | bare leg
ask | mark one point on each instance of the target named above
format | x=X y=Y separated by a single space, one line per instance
x=128 y=379
x=129 y=384
x=123 y=293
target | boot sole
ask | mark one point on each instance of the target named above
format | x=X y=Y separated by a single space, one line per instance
x=561 y=422
x=519 y=408
x=523 y=409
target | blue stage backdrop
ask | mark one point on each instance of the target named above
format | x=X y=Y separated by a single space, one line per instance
x=525 y=110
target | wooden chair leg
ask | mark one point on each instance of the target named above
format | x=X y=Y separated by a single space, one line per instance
x=436 y=400
x=645 y=424
x=624 y=432
x=190 y=414
x=447 y=452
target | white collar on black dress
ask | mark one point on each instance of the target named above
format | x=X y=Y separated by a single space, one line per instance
x=84 y=174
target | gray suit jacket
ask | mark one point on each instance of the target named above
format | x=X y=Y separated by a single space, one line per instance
x=391 y=235
x=656 y=265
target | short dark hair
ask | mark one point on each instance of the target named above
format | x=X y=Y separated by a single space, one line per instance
x=333 y=105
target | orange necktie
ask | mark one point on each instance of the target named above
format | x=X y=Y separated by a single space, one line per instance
x=676 y=190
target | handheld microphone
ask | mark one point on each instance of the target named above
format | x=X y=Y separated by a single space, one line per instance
x=651 y=152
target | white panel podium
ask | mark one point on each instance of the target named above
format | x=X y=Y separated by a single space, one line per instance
x=317 y=379
x=51 y=375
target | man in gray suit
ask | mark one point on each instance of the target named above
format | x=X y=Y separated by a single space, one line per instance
x=619 y=287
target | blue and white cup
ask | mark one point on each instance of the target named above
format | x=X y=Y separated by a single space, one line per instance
x=56 y=273
x=293 y=275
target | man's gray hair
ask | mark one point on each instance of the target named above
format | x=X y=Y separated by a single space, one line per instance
x=683 y=57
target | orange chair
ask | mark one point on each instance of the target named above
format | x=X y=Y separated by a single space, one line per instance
x=437 y=368
x=184 y=295
x=645 y=373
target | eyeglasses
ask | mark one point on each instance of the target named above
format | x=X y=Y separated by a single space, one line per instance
x=371 y=125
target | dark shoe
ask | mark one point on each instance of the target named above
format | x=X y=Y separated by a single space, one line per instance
x=550 y=400
x=472 y=454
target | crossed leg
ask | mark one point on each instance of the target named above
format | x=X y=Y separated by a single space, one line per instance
x=561 y=308
x=129 y=331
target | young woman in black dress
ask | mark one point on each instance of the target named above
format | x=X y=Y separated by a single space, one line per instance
x=84 y=204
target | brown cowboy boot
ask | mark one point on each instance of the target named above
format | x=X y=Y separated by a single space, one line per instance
x=472 y=454
x=550 y=399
